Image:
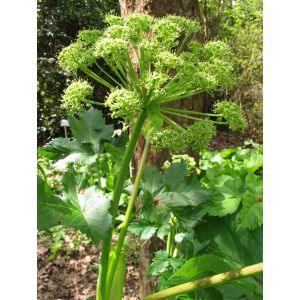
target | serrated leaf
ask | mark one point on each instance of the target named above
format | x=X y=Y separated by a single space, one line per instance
x=251 y=216
x=90 y=128
x=50 y=208
x=163 y=263
x=58 y=148
x=163 y=231
x=198 y=267
x=254 y=184
x=89 y=212
x=226 y=197
x=254 y=162
x=174 y=175
x=152 y=180
x=142 y=229
x=80 y=158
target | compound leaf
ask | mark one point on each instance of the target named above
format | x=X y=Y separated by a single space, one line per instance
x=90 y=128
x=50 y=208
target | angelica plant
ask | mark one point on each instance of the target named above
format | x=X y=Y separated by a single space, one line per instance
x=153 y=62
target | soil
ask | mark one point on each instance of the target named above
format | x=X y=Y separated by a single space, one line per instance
x=227 y=139
x=72 y=273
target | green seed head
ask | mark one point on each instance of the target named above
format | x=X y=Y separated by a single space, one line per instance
x=232 y=113
x=75 y=94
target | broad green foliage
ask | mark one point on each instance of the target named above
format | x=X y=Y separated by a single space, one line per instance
x=198 y=267
x=50 y=207
x=226 y=197
x=87 y=211
x=221 y=233
x=90 y=134
x=90 y=128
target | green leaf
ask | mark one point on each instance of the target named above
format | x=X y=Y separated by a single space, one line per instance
x=90 y=128
x=163 y=231
x=152 y=180
x=50 y=208
x=185 y=194
x=251 y=216
x=254 y=184
x=143 y=229
x=211 y=294
x=174 y=175
x=221 y=237
x=163 y=263
x=160 y=263
x=198 y=267
x=70 y=187
x=77 y=158
x=58 y=148
x=89 y=212
x=226 y=196
x=254 y=162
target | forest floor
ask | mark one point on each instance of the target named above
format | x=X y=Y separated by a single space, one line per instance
x=72 y=272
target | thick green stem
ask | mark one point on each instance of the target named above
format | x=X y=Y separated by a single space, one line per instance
x=170 y=239
x=128 y=217
x=207 y=282
x=116 y=198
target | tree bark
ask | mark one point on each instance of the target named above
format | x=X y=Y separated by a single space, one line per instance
x=161 y=8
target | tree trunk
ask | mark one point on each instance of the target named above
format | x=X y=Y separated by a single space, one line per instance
x=160 y=8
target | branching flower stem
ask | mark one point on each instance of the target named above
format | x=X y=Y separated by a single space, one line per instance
x=190 y=112
x=128 y=217
x=92 y=102
x=110 y=77
x=180 y=115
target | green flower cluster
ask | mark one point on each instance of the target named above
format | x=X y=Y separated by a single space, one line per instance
x=232 y=113
x=123 y=103
x=152 y=60
x=76 y=93
x=169 y=138
x=200 y=133
x=195 y=137
x=189 y=162
x=80 y=53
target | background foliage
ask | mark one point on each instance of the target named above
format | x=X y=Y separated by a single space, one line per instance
x=58 y=23
x=239 y=24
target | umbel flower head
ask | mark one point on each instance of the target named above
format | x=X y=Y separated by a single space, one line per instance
x=232 y=113
x=155 y=45
x=75 y=94
x=194 y=137
x=154 y=62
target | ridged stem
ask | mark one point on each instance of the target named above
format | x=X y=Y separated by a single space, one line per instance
x=207 y=282
x=102 y=276
x=128 y=217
